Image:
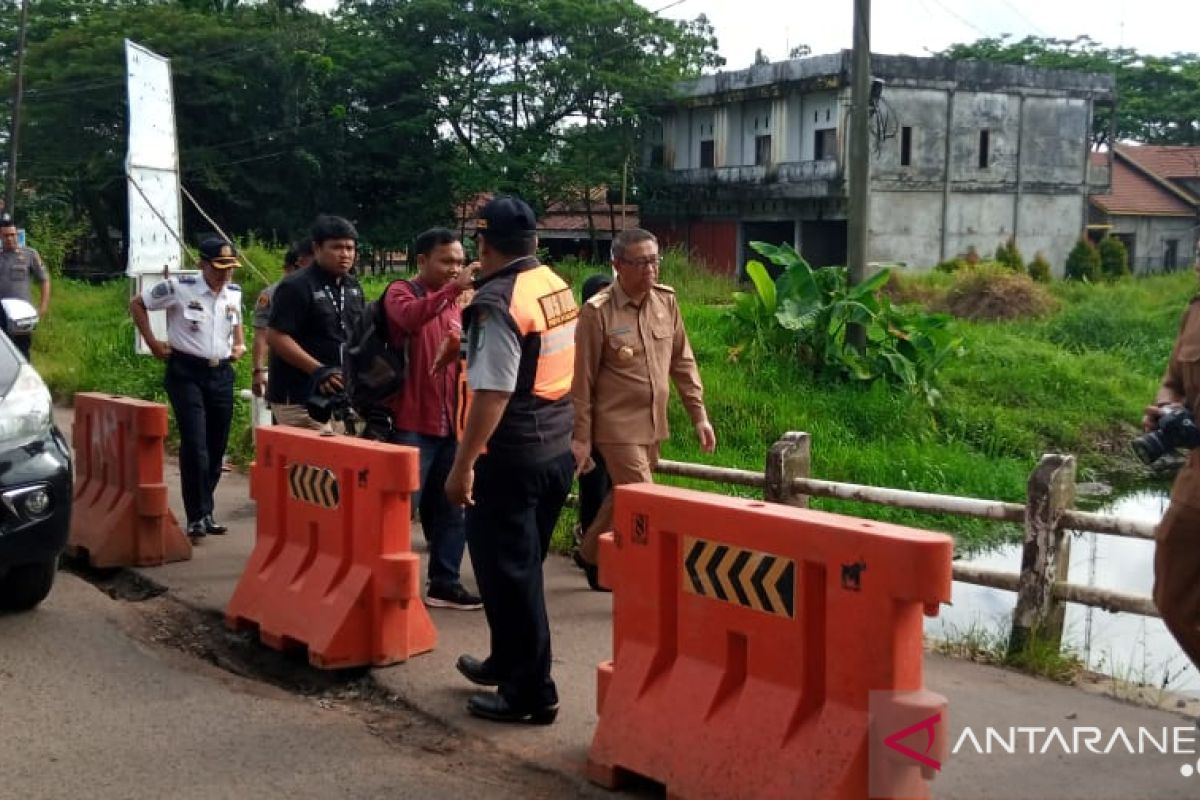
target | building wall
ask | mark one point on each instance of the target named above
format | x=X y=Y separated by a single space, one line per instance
x=905 y=227
x=1150 y=238
x=817 y=110
x=1050 y=225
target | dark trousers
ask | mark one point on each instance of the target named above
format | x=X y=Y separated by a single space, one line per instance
x=508 y=533
x=442 y=522
x=202 y=398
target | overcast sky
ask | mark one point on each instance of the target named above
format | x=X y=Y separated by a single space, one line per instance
x=915 y=27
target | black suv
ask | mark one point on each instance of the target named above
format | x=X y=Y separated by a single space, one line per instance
x=35 y=484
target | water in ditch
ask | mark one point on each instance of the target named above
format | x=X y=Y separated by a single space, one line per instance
x=1127 y=646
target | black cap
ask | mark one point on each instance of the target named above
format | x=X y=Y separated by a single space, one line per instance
x=506 y=216
x=218 y=252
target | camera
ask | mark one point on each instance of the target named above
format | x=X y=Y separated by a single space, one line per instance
x=336 y=406
x=1176 y=428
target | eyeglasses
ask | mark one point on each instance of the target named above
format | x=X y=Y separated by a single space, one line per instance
x=642 y=263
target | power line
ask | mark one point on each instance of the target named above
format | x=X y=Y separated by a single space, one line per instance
x=1021 y=14
x=962 y=19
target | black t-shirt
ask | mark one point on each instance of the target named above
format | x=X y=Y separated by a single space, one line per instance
x=318 y=311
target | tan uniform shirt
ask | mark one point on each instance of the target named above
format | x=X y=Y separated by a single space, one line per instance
x=624 y=356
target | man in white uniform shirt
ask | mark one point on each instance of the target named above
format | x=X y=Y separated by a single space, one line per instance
x=204 y=335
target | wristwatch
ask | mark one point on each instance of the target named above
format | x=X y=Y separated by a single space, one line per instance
x=259 y=369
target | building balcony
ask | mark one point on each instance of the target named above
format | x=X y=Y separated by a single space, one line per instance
x=787 y=179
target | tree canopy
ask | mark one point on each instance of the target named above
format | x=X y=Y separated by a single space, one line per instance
x=389 y=112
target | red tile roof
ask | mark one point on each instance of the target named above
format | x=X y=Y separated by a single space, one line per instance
x=1136 y=194
x=1176 y=161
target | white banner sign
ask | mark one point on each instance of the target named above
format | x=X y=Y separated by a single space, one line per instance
x=152 y=166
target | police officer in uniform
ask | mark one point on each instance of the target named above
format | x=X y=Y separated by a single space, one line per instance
x=204 y=335
x=631 y=346
x=1177 y=548
x=18 y=266
x=514 y=466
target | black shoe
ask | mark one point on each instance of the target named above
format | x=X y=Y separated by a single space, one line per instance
x=577 y=557
x=213 y=527
x=592 y=571
x=452 y=597
x=195 y=531
x=476 y=671
x=496 y=708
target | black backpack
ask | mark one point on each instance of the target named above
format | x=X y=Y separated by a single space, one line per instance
x=373 y=369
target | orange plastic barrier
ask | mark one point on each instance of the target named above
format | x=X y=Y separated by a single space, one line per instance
x=748 y=639
x=121 y=515
x=333 y=568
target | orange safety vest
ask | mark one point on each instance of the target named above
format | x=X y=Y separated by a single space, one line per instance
x=539 y=306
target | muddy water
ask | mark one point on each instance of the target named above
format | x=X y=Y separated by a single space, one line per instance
x=1127 y=646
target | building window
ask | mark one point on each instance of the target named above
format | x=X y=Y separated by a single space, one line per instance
x=762 y=150
x=657 y=156
x=825 y=144
x=906 y=146
x=985 y=147
x=1171 y=254
x=708 y=154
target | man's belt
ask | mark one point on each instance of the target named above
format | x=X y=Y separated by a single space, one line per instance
x=199 y=361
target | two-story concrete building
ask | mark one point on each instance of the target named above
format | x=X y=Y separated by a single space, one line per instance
x=964 y=154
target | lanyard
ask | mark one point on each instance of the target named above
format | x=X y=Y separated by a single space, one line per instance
x=339 y=304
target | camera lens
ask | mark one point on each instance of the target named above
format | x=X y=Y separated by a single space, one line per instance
x=1149 y=448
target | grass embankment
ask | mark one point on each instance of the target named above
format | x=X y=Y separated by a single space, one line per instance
x=1074 y=382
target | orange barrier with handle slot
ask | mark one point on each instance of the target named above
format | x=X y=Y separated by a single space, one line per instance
x=748 y=639
x=121 y=515
x=333 y=568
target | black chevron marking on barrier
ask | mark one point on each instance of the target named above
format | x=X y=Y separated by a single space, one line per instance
x=292 y=481
x=756 y=583
x=786 y=586
x=714 y=571
x=313 y=477
x=735 y=575
x=690 y=563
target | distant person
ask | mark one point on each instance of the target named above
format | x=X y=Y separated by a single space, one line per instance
x=313 y=311
x=594 y=484
x=204 y=335
x=513 y=466
x=630 y=346
x=424 y=317
x=298 y=256
x=18 y=267
x=1177 y=552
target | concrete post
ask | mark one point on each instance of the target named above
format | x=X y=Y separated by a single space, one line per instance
x=1047 y=555
x=789 y=458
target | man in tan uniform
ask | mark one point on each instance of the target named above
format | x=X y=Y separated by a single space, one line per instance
x=629 y=342
x=1177 y=541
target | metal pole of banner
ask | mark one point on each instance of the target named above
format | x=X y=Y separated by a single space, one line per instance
x=217 y=228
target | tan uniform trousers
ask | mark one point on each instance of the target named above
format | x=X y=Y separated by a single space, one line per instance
x=297 y=417
x=1177 y=563
x=626 y=463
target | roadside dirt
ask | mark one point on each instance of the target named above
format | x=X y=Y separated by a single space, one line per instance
x=161 y=621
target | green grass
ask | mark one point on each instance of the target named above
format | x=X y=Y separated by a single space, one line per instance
x=1074 y=382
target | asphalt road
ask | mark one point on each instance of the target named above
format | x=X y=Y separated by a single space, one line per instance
x=95 y=701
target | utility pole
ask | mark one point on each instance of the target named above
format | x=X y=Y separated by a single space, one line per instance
x=10 y=188
x=860 y=155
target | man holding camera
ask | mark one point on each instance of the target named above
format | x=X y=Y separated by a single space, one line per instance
x=313 y=312
x=1177 y=552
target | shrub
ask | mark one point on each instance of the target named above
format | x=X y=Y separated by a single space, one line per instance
x=1083 y=262
x=816 y=307
x=1039 y=268
x=971 y=256
x=992 y=292
x=951 y=265
x=1114 y=258
x=1009 y=256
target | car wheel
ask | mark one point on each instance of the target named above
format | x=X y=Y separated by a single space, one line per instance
x=24 y=586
